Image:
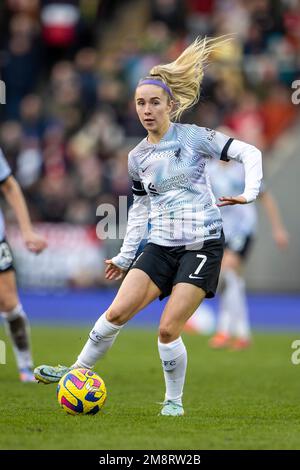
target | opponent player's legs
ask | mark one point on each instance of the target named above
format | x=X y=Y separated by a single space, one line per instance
x=233 y=318
x=16 y=324
x=184 y=300
x=136 y=291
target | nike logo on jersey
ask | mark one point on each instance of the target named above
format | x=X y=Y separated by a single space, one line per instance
x=144 y=169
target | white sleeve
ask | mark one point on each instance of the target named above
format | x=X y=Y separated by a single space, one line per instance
x=218 y=145
x=251 y=158
x=138 y=216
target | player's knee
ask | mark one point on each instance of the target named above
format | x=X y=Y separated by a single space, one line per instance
x=116 y=315
x=225 y=279
x=7 y=306
x=166 y=333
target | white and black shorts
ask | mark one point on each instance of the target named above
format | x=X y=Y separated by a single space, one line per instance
x=240 y=244
x=167 y=266
x=6 y=258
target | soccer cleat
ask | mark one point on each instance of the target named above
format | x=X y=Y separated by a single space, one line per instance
x=170 y=408
x=26 y=375
x=240 y=343
x=49 y=374
x=220 y=341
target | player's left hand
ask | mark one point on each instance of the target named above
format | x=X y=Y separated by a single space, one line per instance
x=231 y=200
x=34 y=242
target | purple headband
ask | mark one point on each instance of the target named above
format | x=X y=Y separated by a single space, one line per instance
x=150 y=81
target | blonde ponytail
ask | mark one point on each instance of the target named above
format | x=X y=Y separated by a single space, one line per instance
x=184 y=76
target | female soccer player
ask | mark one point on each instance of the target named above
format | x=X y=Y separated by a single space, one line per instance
x=10 y=307
x=185 y=246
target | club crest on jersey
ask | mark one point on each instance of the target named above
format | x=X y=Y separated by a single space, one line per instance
x=152 y=189
x=177 y=153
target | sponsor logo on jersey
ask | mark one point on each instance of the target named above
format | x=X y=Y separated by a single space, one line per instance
x=152 y=189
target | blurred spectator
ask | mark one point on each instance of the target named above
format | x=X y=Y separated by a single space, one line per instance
x=170 y=12
x=277 y=112
x=29 y=163
x=54 y=197
x=32 y=118
x=20 y=62
x=11 y=136
x=246 y=121
x=59 y=21
x=71 y=72
x=86 y=65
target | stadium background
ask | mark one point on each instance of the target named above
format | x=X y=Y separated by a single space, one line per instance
x=70 y=69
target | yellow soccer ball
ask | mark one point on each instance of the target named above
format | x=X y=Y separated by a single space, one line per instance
x=81 y=392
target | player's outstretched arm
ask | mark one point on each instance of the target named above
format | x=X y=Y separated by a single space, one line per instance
x=14 y=197
x=221 y=146
x=251 y=158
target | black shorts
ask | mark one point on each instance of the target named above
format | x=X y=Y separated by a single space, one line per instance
x=240 y=245
x=167 y=266
x=6 y=258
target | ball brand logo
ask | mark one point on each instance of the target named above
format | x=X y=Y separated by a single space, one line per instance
x=90 y=387
x=2 y=92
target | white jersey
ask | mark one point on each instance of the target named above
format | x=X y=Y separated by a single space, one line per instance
x=5 y=172
x=229 y=180
x=171 y=185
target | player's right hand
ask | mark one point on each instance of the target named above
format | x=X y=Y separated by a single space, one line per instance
x=34 y=242
x=113 y=272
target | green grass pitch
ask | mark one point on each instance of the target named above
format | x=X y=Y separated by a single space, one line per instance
x=233 y=400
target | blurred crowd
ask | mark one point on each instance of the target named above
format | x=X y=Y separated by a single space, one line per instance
x=70 y=70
